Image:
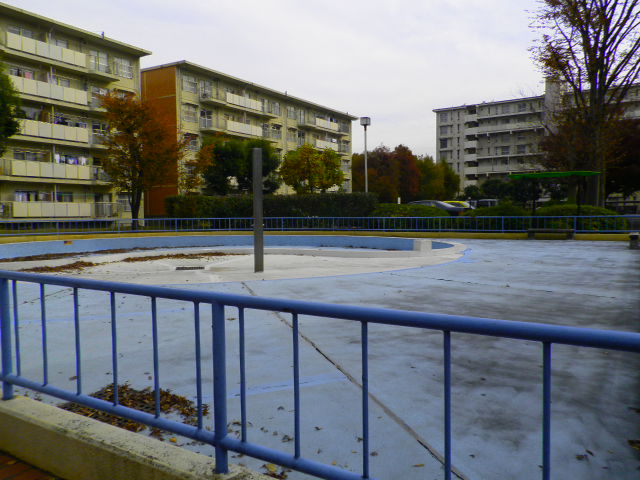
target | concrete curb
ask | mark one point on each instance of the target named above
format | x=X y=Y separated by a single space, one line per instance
x=79 y=448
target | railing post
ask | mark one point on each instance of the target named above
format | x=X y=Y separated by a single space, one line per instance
x=5 y=338
x=219 y=387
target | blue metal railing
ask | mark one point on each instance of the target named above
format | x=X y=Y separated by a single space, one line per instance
x=581 y=224
x=11 y=346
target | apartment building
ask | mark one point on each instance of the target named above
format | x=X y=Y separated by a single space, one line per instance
x=51 y=169
x=493 y=139
x=205 y=102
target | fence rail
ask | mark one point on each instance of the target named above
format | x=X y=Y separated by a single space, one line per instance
x=13 y=352
x=580 y=224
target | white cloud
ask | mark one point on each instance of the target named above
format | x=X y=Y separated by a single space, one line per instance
x=394 y=61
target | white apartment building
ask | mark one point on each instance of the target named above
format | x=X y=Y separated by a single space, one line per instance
x=494 y=139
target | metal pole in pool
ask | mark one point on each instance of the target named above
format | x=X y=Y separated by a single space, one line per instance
x=258 y=233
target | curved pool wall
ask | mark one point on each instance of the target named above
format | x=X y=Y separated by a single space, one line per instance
x=27 y=249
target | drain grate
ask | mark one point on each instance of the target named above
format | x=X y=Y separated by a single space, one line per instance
x=190 y=268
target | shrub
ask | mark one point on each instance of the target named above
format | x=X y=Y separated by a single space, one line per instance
x=314 y=205
x=504 y=209
x=572 y=209
x=406 y=210
x=583 y=222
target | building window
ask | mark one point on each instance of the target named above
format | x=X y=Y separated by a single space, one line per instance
x=98 y=61
x=275 y=108
x=292 y=135
x=444 y=116
x=21 y=72
x=25 y=32
x=189 y=113
x=61 y=43
x=206 y=118
x=191 y=141
x=189 y=84
x=64 y=197
x=445 y=129
x=123 y=67
x=522 y=107
x=444 y=142
x=291 y=112
x=123 y=202
x=61 y=81
x=521 y=149
x=504 y=150
x=276 y=131
x=206 y=88
x=506 y=108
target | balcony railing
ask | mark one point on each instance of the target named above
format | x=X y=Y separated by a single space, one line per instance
x=244 y=128
x=245 y=102
x=34 y=128
x=37 y=88
x=47 y=50
x=16 y=286
x=43 y=169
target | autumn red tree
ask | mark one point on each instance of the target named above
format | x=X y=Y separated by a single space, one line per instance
x=142 y=148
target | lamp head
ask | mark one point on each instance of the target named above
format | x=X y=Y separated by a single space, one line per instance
x=365 y=121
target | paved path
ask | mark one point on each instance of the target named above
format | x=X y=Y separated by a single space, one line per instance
x=497 y=383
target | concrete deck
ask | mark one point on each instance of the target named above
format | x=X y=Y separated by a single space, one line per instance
x=496 y=383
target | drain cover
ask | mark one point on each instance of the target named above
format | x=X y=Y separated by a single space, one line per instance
x=189 y=268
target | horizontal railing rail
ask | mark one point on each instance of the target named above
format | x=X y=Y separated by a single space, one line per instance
x=12 y=352
x=579 y=224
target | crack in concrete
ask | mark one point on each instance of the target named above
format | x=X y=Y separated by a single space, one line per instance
x=385 y=408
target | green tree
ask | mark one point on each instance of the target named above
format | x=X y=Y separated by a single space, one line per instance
x=308 y=170
x=472 y=192
x=230 y=165
x=9 y=109
x=593 y=47
x=142 y=148
x=450 y=180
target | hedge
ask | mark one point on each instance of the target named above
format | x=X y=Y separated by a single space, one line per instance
x=406 y=210
x=314 y=205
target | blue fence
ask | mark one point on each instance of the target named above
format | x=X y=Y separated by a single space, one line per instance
x=12 y=354
x=580 y=224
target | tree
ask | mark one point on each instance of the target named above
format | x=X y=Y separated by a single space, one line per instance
x=624 y=171
x=593 y=47
x=472 y=192
x=142 y=148
x=451 y=180
x=230 y=165
x=9 y=109
x=308 y=170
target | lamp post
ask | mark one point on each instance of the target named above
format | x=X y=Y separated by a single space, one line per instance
x=365 y=122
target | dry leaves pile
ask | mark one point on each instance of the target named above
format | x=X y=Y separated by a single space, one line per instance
x=143 y=400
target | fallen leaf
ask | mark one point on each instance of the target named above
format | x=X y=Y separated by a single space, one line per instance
x=173 y=440
x=419 y=465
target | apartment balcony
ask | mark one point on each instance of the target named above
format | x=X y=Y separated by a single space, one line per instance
x=45 y=130
x=35 y=169
x=208 y=125
x=212 y=98
x=50 y=209
x=509 y=127
x=471 y=117
x=322 y=144
x=470 y=170
x=27 y=86
x=42 y=49
x=243 y=128
x=471 y=131
x=470 y=157
x=470 y=144
x=323 y=126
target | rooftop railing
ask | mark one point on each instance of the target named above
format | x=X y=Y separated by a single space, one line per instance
x=580 y=224
x=14 y=351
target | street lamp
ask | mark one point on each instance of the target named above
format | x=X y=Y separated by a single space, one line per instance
x=365 y=122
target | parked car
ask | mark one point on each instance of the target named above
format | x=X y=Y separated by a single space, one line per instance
x=451 y=207
x=484 y=202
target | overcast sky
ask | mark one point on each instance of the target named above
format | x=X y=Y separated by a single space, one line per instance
x=394 y=61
